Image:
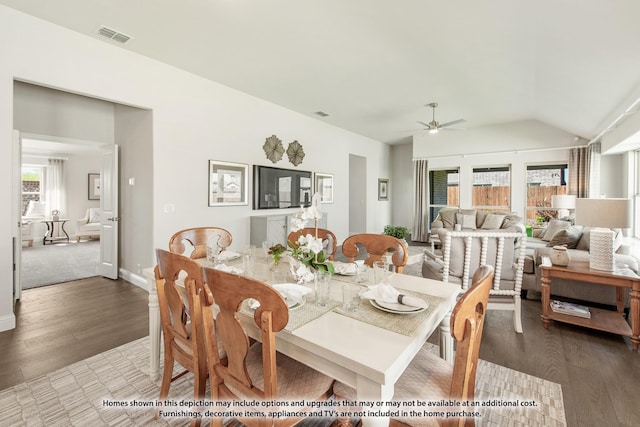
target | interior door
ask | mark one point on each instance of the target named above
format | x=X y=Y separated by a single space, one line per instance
x=108 y=266
x=16 y=190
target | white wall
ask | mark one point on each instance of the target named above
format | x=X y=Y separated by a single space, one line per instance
x=77 y=170
x=402 y=185
x=193 y=120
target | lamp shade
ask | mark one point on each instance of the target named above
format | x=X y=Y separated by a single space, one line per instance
x=563 y=201
x=607 y=213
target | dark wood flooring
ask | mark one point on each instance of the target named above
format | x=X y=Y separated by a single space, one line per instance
x=599 y=374
x=61 y=324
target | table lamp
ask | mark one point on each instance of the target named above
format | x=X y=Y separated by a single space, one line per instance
x=564 y=203
x=603 y=214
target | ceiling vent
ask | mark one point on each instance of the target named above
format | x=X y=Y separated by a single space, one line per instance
x=113 y=34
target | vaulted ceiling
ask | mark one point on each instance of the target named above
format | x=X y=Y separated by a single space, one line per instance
x=374 y=65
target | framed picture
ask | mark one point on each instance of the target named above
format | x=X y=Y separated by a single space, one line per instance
x=324 y=187
x=94 y=186
x=228 y=183
x=383 y=189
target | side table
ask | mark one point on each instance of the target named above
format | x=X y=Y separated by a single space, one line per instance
x=603 y=320
x=49 y=236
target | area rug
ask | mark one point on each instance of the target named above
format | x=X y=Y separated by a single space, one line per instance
x=61 y=262
x=86 y=393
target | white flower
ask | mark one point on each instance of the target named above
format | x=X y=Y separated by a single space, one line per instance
x=297 y=223
x=309 y=243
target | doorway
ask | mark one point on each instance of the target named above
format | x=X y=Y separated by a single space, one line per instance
x=55 y=177
x=357 y=194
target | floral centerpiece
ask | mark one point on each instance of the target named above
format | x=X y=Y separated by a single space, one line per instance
x=306 y=256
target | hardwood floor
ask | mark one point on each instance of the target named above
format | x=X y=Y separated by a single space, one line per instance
x=64 y=323
x=599 y=374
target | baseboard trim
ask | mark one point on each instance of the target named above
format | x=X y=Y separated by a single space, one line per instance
x=7 y=322
x=135 y=279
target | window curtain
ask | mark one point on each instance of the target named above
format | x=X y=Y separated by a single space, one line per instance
x=420 y=231
x=584 y=171
x=55 y=188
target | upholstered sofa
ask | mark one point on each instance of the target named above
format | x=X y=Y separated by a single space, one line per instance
x=576 y=239
x=89 y=225
x=471 y=219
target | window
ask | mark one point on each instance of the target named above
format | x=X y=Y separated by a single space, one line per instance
x=544 y=181
x=444 y=190
x=32 y=185
x=492 y=189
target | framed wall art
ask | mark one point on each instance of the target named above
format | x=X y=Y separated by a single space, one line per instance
x=228 y=183
x=94 y=186
x=383 y=189
x=324 y=187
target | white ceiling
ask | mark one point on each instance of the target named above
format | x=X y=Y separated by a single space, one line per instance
x=374 y=65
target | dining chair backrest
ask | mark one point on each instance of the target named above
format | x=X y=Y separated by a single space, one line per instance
x=377 y=245
x=467 y=322
x=229 y=291
x=198 y=238
x=329 y=241
x=178 y=283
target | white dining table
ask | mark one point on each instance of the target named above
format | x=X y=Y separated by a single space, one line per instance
x=366 y=357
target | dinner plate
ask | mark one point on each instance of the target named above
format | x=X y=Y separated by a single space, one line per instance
x=228 y=256
x=394 y=307
x=254 y=304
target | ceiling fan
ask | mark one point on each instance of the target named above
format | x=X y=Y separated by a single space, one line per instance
x=434 y=127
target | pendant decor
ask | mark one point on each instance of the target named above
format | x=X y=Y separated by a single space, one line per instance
x=273 y=148
x=295 y=153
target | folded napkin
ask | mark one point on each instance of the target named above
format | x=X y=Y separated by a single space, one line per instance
x=387 y=293
x=292 y=293
x=228 y=268
x=347 y=268
x=226 y=255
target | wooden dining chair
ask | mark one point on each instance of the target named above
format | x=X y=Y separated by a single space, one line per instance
x=329 y=241
x=198 y=238
x=253 y=371
x=377 y=245
x=430 y=378
x=176 y=277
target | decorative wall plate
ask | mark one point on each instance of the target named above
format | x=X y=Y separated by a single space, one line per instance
x=295 y=153
x=273 y=148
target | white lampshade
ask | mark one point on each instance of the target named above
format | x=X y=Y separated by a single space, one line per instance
x=564 y=203
x=605 y=213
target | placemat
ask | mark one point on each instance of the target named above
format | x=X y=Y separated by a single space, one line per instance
x=405 y=324
x=302 y=315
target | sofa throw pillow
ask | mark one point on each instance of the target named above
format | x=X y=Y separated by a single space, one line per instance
x=585 y=239
x=492 y=222
x=568 y=237
x=553 y=227
x=448 y=217
x=511 y=219
x=94 y=215
x=467 y=221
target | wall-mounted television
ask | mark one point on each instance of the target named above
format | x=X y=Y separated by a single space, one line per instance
x=276 y=188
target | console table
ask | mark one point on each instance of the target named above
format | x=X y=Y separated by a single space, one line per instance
x=603 y=320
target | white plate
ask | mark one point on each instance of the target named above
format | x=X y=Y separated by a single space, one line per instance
x=253 y=304
x=228 y=256
x=396 y=308
x=347 y=274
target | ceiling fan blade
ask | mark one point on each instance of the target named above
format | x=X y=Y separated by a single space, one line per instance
x=454 y=122
x=427 y=125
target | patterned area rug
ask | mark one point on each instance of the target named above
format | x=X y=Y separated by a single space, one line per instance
x=86 y=393
x=62 y=262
